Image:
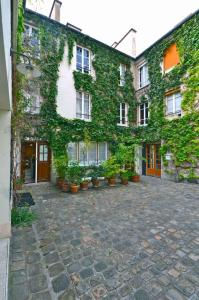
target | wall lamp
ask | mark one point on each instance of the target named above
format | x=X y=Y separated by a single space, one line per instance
x=26 y=69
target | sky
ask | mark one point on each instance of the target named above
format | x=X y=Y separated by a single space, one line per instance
x=109 y=20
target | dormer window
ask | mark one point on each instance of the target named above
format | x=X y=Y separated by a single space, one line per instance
x=143 y=76
x=171 y=58
x=82 y=60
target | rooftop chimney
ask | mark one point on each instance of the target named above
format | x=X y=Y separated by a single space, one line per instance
x=127 y=43
x=55 y=10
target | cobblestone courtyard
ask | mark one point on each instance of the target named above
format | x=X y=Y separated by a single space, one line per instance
x=135 y=242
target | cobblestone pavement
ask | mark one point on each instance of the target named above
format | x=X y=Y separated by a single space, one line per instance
x=135 y=242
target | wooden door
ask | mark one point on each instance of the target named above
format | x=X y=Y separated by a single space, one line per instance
x=28 y=161
x=153 y=160
x=43 y=162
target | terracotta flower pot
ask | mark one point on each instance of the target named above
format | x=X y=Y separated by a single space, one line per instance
x=65 y=186
x=59 y=182
x=111 y=181
x=17 y=186
x=135 y=178
x=84 y=185
x=124 y=181
x=74 y=188
x=95 y=183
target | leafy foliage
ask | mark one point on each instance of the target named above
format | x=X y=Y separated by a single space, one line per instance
x=22 y=216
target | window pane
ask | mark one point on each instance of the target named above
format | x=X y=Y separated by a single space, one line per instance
x=123 y=107
x=102 y=152
x=141 y=76
x=142 y=114
x=146 y=112
x=86 y=61
x=170 y=104
x=92 y=153
x=79 y=105
x=79 y=59
x=72 y=151
x=83 y=154
x=86 y=106
x=178 y=100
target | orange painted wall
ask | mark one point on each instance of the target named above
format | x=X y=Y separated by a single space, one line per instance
x=171 y=57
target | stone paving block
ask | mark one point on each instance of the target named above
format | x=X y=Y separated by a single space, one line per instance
x=34 y=269
x=38 y=283
x=55 y=269
x=85 y=273
x=174 y=295
x=60 y=283
x=51 y=258
x=68 y=295
x=141 y=295
x=42 y=296
x=18 y=277
x=19 y=292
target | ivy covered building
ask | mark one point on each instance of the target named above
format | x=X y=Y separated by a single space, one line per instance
x=92 y=92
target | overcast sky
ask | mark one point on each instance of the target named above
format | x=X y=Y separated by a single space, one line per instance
x=109 y=20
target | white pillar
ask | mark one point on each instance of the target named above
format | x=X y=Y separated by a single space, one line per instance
x=5 y=140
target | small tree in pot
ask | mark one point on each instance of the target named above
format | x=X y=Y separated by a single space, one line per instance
x=111 y=169
x=84 y=182
x=124 y=175
x=74 y=173
x=60 y=163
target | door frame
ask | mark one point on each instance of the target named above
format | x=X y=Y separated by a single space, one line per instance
x=36 y=143
x=153 y=171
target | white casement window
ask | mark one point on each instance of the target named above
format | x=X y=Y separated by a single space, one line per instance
x=173 y=103
x=83 y=106
x=143 y=113
x=122 y=74
x=33 y=101
x=31 y=39
x=123 y=114
x=92 y=154
x=82 y=60
x=143 y=75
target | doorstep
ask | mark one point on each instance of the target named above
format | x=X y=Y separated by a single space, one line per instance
x=4 y=264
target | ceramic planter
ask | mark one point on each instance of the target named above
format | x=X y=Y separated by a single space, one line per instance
x=112 y=181
x=95 y=183
x=65 y=186
x=84 y=185
x=74 y=188
x=124 y=181
x=135 y=178
x=18 y=186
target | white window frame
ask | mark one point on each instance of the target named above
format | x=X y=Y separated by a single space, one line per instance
x=139 y=114
x=31 y=27
x=146 y=79
x=82 y=117
x=174 y=112
x=126 y=115
x=82 y=65
x=97 y=161
x=122 y=75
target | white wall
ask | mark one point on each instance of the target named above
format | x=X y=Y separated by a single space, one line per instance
x=5 y=138
x=66 y=98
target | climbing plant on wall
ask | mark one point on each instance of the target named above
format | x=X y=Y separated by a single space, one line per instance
x=104 y=88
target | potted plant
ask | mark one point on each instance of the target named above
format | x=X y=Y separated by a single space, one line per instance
x=74 y=176
x=111 y=169
x=124 y=175
x=84 y=182
x=95 y=173
x=60 y=163
x=18 y=183
x=135 y=177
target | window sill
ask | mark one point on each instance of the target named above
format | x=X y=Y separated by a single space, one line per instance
x=142 y=125
x=86 y=120
x=123 y=125
x=140 y=88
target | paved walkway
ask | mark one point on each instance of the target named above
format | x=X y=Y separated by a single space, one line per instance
x=135 y=242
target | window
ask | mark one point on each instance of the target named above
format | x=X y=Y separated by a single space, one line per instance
x=92 y=154
x=123 y=114
x=171 y=58
x=33 y=100
x=82 y=60
x=143 y=76
x=173 y=103
x=143 y=113
x=43 y=153
x=122 y=74
x=83 y=106
x=31 y=39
